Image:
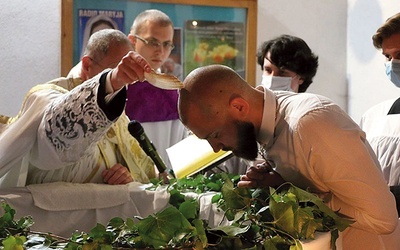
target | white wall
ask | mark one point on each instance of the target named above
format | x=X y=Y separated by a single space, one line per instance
x=368 y=82
x=351 y=70
x=29 y=48
x=322 y=24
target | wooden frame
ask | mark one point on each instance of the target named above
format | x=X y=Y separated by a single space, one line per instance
x=251 y=30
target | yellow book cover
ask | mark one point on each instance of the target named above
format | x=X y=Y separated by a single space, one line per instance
x=192 y=155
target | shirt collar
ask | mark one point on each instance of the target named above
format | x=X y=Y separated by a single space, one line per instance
x=266 y=134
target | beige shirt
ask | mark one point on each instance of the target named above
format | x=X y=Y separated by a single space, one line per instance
x=317 y=146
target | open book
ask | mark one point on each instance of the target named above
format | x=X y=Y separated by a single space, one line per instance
x=192 y=155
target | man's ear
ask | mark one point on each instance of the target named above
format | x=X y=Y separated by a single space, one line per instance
x=132 y=38
x=239 y=107
x=301 y=80
x=86 y=64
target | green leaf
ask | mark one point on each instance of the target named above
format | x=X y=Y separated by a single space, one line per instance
x=106 y=247
x=259 y=218
x=116 y=222
x=157 y=231
x=272 y=243
x=284 y=216
x=130 y=224
x=231 y=230
x=309 y=228
x=334 y=237
x=297 y=246
x=304 y=196
x=305 y=222
x=216 y=197
x=14 y=243
x=176 y=198
x=7 y=220
x=189 y=209
x=235 y=198
x=213 y=186
x=201 y=233
x=100 y=235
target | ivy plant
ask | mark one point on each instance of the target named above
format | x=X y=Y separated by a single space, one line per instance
x=255 y=219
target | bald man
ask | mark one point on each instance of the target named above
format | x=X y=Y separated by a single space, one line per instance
x=305 y=138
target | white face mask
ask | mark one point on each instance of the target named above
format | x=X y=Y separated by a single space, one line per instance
x=393 y=71
x=277 y=83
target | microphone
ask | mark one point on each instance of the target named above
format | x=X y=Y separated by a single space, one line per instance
x=137 y=131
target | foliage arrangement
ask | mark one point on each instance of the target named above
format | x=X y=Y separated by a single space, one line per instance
x=258 y=219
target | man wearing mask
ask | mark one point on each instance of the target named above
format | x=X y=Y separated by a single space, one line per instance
x=381 y=122
x=156 y=109
x=287 y=63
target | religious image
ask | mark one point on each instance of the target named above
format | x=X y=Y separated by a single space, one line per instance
x=91 y=20
x=210 y=42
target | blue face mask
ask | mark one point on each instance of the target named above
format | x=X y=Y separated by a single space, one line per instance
x=393 y=71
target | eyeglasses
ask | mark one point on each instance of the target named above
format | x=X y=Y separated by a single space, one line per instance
x=156 y=44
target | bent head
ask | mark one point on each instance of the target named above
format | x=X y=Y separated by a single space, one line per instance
x=214 y=105
x=105 y=49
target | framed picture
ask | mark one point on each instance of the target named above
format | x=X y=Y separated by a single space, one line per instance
x=206 y=32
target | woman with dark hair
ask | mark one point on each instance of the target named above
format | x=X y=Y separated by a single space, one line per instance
x=287 y=63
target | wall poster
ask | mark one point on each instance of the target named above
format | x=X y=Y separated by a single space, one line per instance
x=213 y=42
x=92 y=20
x=205 y=33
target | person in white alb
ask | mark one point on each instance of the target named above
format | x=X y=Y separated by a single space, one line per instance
x=382 y=121
x=74 y=129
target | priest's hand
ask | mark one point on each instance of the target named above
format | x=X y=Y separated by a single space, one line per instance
x=117 y=175
x=260 y=176
x=130 y=69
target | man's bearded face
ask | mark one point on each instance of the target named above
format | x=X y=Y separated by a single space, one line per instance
x=247 y=147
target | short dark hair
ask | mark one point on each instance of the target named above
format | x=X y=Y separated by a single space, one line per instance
x=153 y=15
x=390 y=27
x=292 y=53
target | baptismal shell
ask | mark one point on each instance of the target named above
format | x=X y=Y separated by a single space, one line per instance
x=163 y=81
